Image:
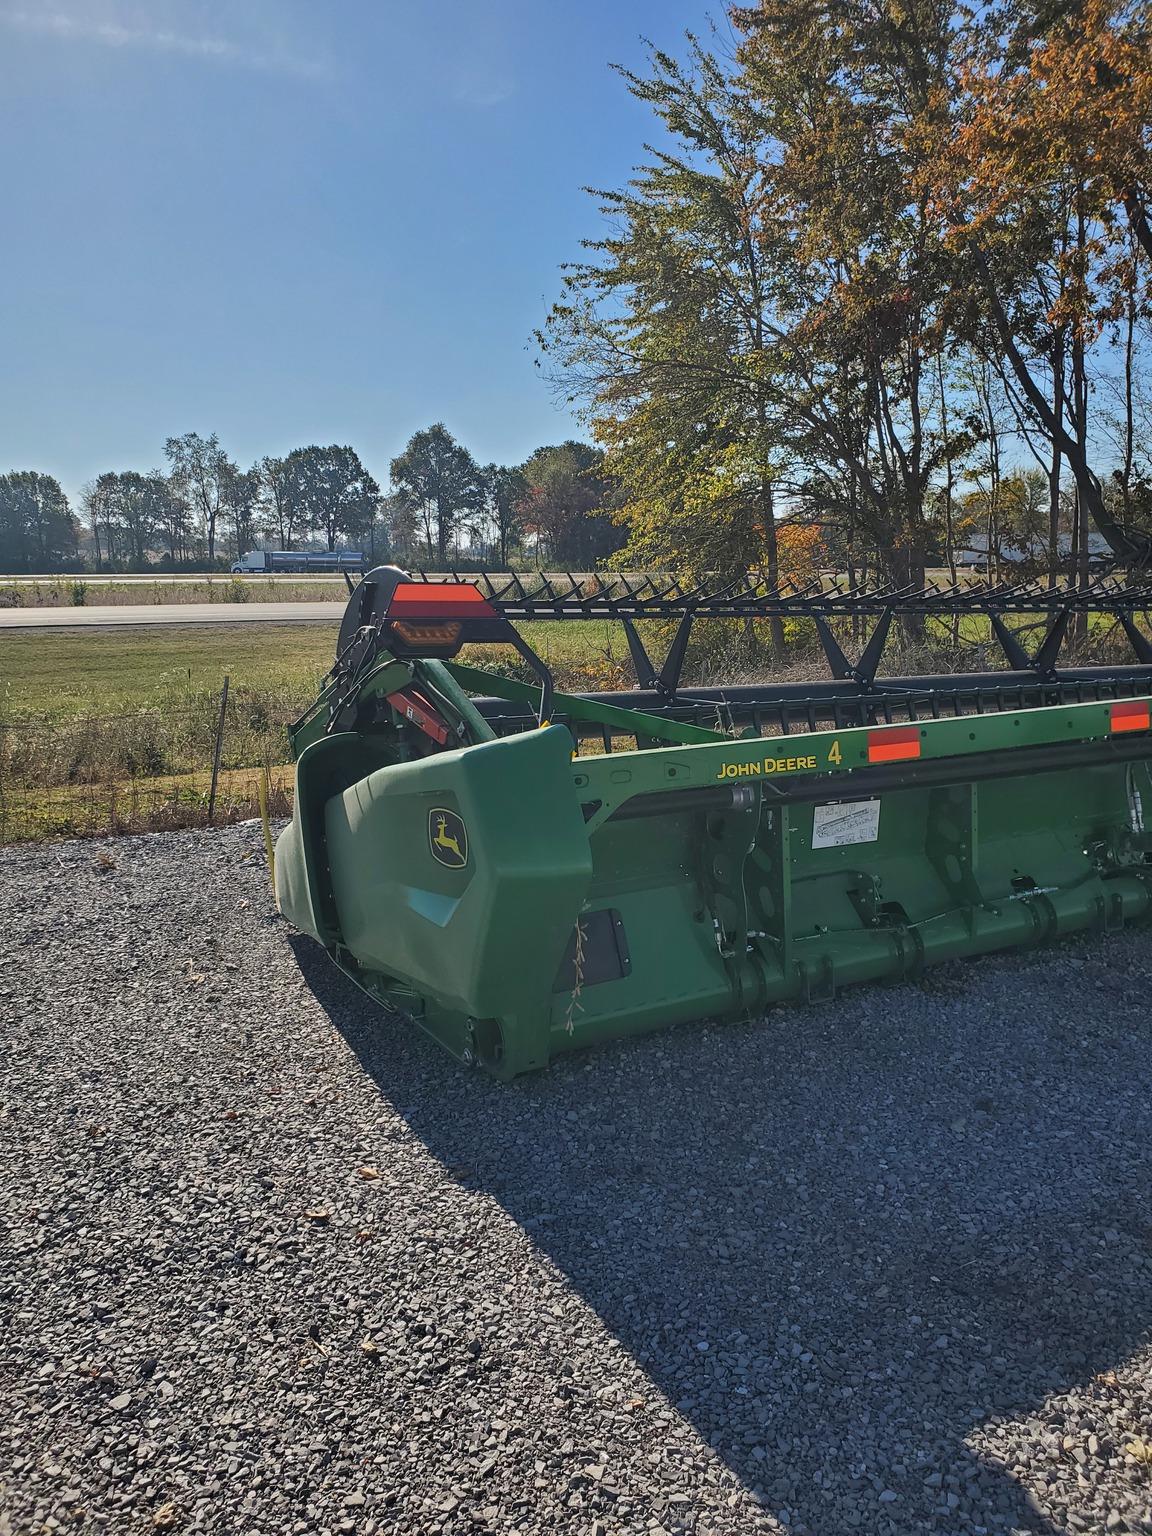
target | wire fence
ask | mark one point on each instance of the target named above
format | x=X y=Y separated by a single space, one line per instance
x=190 y=763
x=194 y=758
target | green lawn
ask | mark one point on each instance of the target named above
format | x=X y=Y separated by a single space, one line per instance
x=110 y=671
x=93 y=672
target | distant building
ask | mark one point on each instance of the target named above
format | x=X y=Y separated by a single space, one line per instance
x=974 y=555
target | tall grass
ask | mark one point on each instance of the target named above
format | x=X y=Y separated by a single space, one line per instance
x=141 y=768
x=174 y=736
x=106 y=733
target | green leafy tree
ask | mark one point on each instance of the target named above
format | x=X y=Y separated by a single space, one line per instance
x=170 y=517
x=243 y=508
x=506 y=493
x=399 y=532
x=37 y=530
x=128 y=504
x=565 y=505
x=92 y=512
x=280 y=509
x=757 y=329
x=440 y=486
x=332 y=493
x=662 y=332
x=202 y=474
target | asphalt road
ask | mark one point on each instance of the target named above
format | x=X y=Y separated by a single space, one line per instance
x=134 y=616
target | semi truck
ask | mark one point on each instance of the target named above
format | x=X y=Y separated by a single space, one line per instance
x=268 y=561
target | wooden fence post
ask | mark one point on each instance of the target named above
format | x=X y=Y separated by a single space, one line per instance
x=219 y=748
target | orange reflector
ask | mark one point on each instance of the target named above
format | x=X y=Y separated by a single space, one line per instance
x=1131 y=715
x=894 y=744
x=439 y=600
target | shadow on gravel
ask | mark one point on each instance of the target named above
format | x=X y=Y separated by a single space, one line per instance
x=840 y=1242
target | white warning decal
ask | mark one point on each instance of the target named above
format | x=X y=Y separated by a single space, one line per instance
x=844 y=822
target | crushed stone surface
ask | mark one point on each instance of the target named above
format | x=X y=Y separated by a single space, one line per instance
x=271 y=1263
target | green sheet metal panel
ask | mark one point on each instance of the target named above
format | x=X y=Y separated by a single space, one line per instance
x=459 y=877
x=842 y=857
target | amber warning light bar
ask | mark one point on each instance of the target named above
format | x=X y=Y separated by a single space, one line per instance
x=429 y=618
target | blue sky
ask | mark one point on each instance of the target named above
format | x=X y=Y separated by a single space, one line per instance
x=293 y=221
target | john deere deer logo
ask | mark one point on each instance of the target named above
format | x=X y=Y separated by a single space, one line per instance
x=448 y=838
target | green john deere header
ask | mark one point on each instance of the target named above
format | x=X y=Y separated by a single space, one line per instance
x=526 y=872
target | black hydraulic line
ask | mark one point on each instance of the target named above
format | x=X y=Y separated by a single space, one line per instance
x=665 y=802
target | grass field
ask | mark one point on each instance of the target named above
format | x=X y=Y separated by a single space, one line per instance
x=56 y=675
x=106 y=730
x=88 y=592
x=114 y=729
x=59 y=674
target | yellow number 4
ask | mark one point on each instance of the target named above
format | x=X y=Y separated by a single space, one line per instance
x=834 y=753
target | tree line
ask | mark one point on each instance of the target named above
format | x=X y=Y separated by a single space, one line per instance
x=887 y=277
x=202 y=509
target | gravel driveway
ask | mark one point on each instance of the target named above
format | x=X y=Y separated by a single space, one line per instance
x=275 y=1264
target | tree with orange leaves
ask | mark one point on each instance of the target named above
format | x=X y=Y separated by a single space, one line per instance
x=1069 y=101
x=802 y=551
x=869 y=206
x=1038 y=165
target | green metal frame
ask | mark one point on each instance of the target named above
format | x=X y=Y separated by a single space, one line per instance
x=771 y=762
x=634 y=721
x=602 y=895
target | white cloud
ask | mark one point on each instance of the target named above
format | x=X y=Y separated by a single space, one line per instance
x=111 y=31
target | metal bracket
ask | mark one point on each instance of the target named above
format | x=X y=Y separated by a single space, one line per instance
x=869 y=663
x=543 y=674
x=838 y=664
x=1137 y=640
x=864 y=672
x=645 y=671
x=667 y=680
x=1015 y=653
x=1044 y=661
